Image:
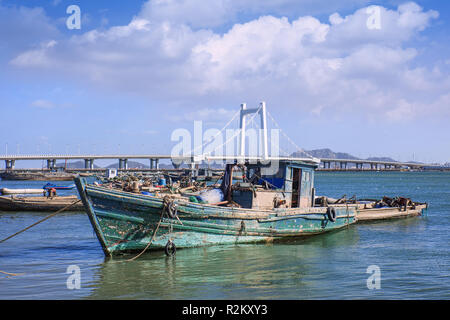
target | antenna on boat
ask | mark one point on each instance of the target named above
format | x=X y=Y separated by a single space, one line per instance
x=262 y=112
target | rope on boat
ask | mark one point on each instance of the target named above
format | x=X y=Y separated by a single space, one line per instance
x=42 y=220
x=151 y=240
x=166 y=202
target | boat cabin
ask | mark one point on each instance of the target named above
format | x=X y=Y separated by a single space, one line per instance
x=289 y=185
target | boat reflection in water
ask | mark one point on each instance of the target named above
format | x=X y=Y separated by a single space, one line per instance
x=268 y=271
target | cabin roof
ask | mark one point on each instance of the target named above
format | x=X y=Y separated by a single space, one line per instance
x=285 y=163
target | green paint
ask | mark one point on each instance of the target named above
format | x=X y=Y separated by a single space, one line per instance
x=124 y=221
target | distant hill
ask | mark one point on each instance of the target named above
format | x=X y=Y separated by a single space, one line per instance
x=131 y=165
x=74 y=165
x=324 y=153
x=387 y=159
x=330 y=154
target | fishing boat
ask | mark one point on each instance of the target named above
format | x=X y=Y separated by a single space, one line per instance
x=14 y=203
x=56 y=187
x=270 y=205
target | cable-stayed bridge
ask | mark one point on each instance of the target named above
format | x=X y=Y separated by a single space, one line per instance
x=208 y=151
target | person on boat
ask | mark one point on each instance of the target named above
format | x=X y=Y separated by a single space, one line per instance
x=51 y=192
x=256 y=176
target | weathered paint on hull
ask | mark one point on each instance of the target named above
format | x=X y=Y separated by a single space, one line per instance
x=127 y=222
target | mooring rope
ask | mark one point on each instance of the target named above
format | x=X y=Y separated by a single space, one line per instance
x=42 y=220
x=29 y=227
x=8 y=274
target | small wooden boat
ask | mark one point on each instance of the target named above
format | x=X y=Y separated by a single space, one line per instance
x=280 y=208
x=369 y=210
x=21 y=191
x=13 y=203
x=378 y=214
x=389 y=208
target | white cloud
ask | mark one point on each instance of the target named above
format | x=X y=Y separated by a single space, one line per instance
x=38 y=57
x=302 y=63
x=195 y=13
x=207 y=115
x=41 y=103
x=22 y=28
x=401 y=112
x=47 y=104
x=216 y=13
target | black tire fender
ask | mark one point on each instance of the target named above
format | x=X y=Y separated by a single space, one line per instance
x=170 y=248
x=331 y=214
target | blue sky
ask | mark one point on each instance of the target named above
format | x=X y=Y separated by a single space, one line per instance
x=138 y=70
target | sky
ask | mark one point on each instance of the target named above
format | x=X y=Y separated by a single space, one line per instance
x=333 y=74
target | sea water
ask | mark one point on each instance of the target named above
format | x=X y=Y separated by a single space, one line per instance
x=61 y=258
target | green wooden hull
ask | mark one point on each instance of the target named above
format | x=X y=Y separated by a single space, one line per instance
x=126 y=222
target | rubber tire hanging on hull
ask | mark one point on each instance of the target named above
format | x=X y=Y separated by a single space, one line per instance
x=331 y=214
x=170 y=248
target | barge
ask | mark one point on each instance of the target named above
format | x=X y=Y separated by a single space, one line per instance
x=41 y=204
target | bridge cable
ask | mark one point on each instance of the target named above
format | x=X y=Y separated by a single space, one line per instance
x=237 y=132
x=299 y=149
x=219 y=133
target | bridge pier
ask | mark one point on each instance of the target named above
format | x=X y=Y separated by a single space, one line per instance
x=9 y=164
x=51 y=163
x=344 y=165
x=194 y=169
x=89 y=164
x=176 y=165
x=154 y=163
x=123 y=164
